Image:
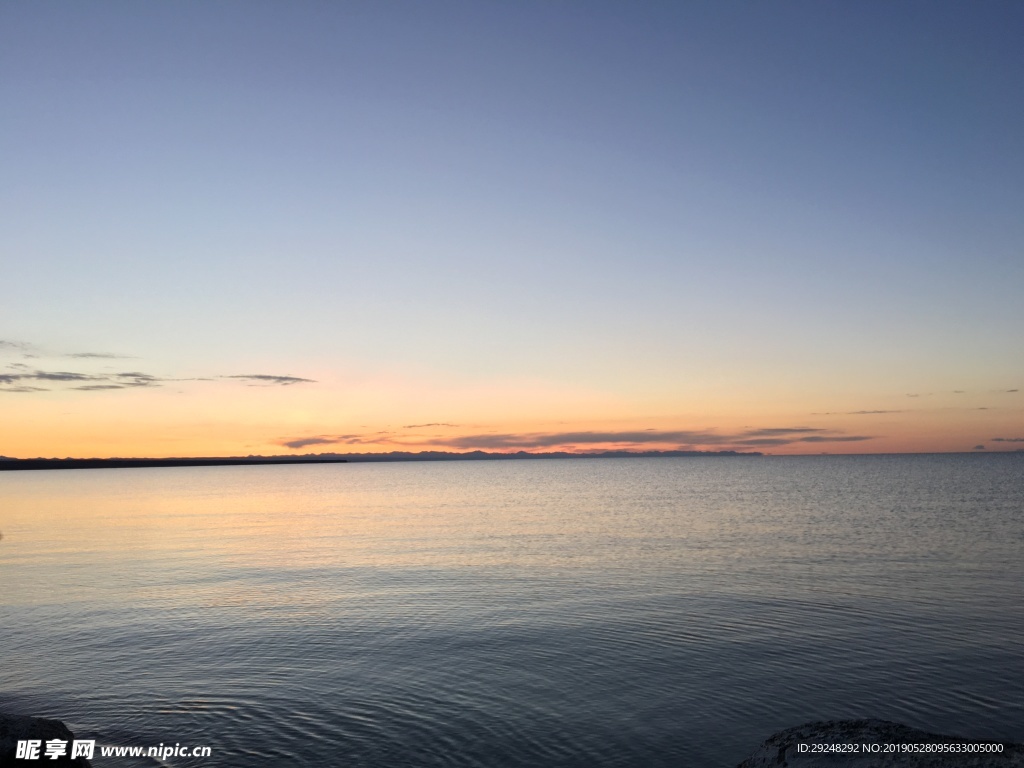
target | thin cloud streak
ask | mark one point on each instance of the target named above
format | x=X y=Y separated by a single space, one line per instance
x=266 y=379
x=31 y=350
x=59 y=376
x=85 y=381
x=18 y=376
x=305 y=442
x=98 y=356
x=21 y=347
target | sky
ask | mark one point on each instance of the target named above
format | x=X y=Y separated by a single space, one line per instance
x=232 y=228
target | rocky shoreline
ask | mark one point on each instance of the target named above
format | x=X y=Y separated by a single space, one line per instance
x=15 y=728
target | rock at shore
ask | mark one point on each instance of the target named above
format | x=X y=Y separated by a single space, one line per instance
x=782 y=749
x=15 y=728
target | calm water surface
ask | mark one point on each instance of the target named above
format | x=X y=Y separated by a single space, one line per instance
x=634 y=612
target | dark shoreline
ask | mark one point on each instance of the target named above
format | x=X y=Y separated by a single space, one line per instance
x=14 y=465
x=9 y=464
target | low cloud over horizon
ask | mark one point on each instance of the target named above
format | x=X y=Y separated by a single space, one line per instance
x=624 y=439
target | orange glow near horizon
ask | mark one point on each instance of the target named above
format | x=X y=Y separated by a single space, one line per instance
x=392 y=414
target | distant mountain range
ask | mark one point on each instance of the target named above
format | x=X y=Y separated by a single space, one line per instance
x=487 y=456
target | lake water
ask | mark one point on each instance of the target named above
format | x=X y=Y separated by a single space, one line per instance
x=604 y=612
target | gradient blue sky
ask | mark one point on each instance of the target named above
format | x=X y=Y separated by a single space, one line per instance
x=506 y=216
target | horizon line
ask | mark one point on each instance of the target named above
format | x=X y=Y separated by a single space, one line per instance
x=10 y=463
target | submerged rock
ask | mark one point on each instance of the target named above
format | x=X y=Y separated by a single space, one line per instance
x=15 y=728
x=876 y=744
